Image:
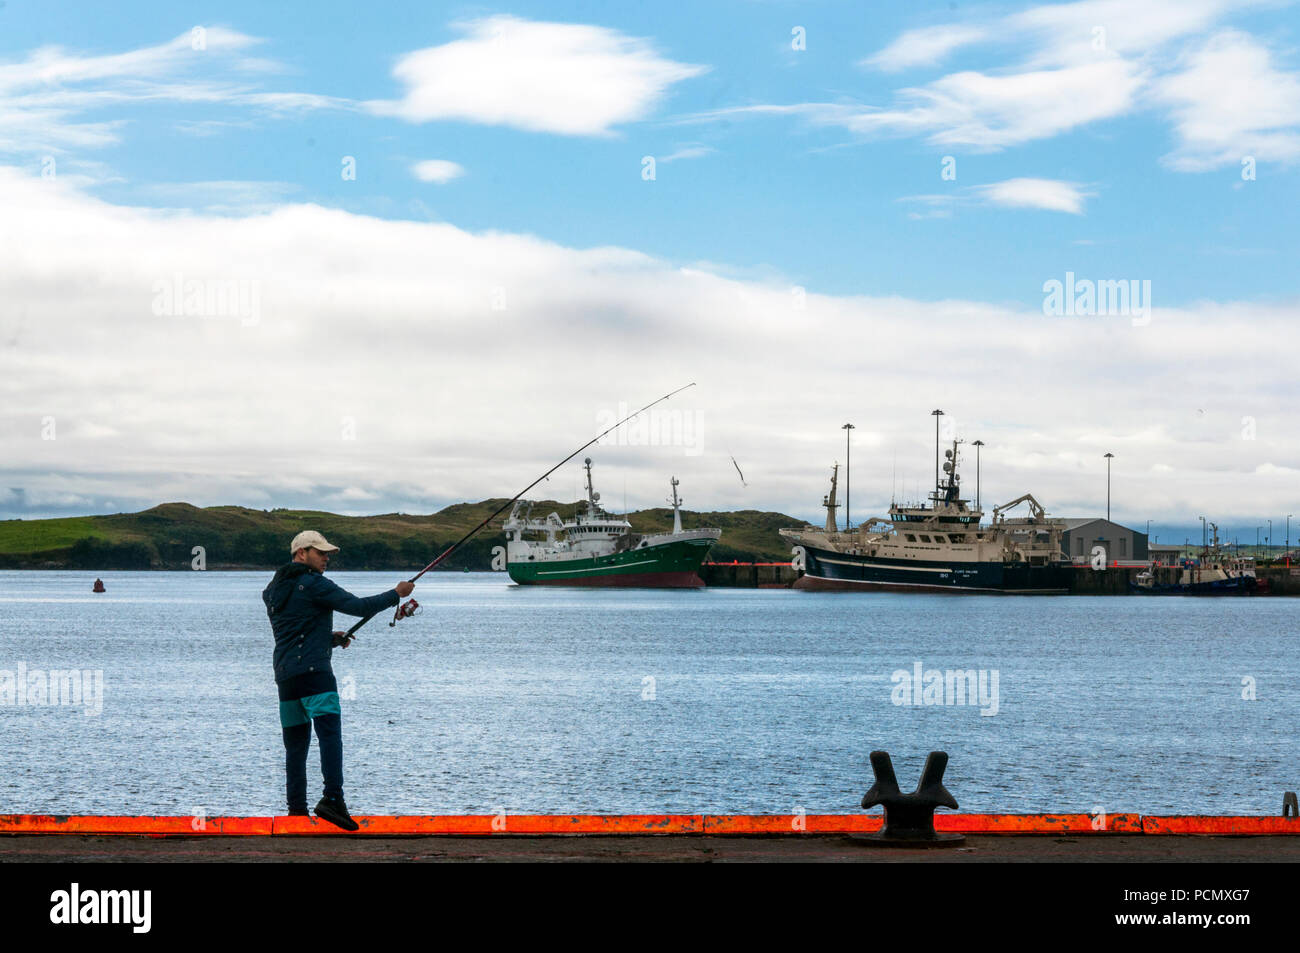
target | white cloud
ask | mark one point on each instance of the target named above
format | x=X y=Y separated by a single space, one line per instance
x=925 y=47
x=979 y=110
x=52 y=66
x=987 y=111
x=687 y=152
x=1228 y=101
x=427 y=329
x=356 y=494
x=238 y=196
x=567 y=78
x=1076 y=32
x=1052 y=195
x=1049 y=194
x=44 y=96
x=440 y=171
x=1076 y=64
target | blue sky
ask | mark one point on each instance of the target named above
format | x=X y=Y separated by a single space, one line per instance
x=825 y=207
x=1098 y=138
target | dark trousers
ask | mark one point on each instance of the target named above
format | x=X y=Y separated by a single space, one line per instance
x=305 y=701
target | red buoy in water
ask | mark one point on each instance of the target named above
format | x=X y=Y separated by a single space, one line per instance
x=99 y=586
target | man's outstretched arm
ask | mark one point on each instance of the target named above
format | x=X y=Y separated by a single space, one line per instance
x=340 y=600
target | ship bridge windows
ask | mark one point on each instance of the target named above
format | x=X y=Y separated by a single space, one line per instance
x=924 y=538
x=910 y=538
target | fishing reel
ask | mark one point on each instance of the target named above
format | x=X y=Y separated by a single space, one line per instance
x=407 y=609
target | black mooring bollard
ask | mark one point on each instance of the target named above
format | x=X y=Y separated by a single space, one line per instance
x=909 y=818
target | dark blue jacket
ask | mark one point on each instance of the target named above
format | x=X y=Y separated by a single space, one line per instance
x=301 y=605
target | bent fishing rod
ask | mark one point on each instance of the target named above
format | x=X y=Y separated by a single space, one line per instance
x=407 y=609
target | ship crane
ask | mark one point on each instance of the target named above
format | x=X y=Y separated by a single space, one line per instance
x=1039 y=514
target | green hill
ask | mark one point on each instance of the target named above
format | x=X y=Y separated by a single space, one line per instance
x=234 y=537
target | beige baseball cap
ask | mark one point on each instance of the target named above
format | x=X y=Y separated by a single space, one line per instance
x=310 y=539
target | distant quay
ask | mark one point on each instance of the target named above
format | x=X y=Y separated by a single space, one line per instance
x=732 y=575
x=1084 y=580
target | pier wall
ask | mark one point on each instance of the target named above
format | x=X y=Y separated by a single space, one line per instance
x=1084 y=581
x=1113 y=581
x=535 y=825
x=1282 y=580
x=749 y=575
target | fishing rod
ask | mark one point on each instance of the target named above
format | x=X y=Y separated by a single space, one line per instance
x=408 y=608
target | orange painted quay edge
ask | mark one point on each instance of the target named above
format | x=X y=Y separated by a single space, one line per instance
x=649 y=824
x=1220 y=825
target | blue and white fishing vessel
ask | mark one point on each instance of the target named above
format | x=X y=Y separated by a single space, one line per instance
x=940 y=547
x=1213 y=573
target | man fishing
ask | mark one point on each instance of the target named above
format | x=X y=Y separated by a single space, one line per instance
x=301 y=603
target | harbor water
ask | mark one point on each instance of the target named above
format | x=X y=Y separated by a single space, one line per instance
x=501 y=698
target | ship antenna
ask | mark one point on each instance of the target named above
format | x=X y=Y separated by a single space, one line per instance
x=677 y=513
x=936 y=414
x=591 y=493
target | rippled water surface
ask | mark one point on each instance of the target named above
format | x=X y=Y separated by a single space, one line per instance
x=498 y=697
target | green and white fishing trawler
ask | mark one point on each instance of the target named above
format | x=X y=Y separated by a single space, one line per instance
x=597 y=548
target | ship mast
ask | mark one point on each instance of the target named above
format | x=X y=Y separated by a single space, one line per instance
x=828 y=501
x=947 y=490
x=592 y=495
x=677 y=513
x=936 y=414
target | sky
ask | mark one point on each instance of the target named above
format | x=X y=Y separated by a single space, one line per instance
x=386 y=259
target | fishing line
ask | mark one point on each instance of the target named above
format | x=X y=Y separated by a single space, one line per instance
x=408 y=608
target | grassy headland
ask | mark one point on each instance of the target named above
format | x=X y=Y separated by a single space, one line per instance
x=234 y=537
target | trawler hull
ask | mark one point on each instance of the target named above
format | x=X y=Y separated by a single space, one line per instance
x=671 y=565
x=1241 y=586
x=826 y=569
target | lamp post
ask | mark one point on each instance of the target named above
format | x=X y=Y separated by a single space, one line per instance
x=1203 y=543
x=1288 y=539
x=1268 y=540
x=936 y=414
x=1109 y=456
x=848 y=477
x=1257 y=551
x=977 y=445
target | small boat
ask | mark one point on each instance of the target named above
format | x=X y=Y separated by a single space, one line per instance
x=99 y=586
x=1214 y=573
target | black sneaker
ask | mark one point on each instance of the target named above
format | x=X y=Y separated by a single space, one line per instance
x=336 y=812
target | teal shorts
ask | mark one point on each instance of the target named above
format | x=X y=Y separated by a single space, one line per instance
x=307 y=697
x=302 y=710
